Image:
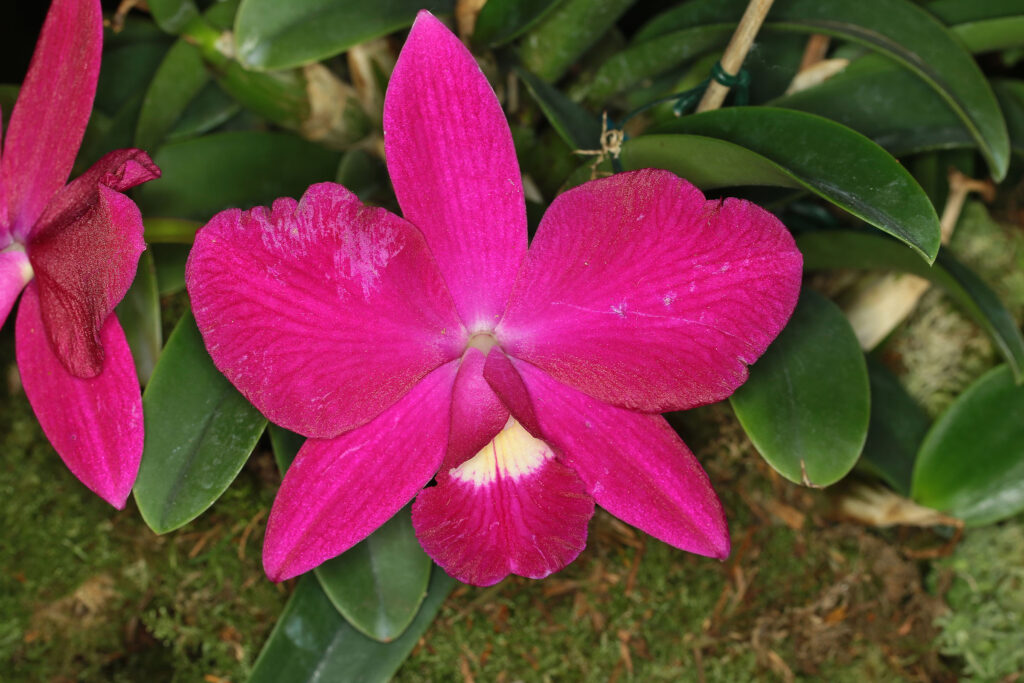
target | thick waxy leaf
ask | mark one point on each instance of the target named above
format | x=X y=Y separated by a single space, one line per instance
x=983 y=26
x=574 y=124
x=806 y=404
x=199 y=433
x=555 y=43
x=139 y=313
x=209 y=109
x=898 y=425
x=856 y=174
x=848 y=249
x=377 y=585
x=170 y=266
x=1011 y=98
x=366 y=176
x=239 y=169
x=644 y=59
x=971 y=464
x=170 y=230
x=275 y=35
x=884 y=101
x=173 y=15
x=285 y=444
x=896 y=28
x=502 y=20
x=179 y=79
x=312 y=642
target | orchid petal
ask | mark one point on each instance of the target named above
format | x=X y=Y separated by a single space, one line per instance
x=52 y=109
x=477 y=414
x=15 y=272
x=322 y=312
x=511 y=509
x=5 y=228
x=94 y=424
x=84 y=250
x=339 y=490
x=451 y=159
x=634 y=465
x=640 y=293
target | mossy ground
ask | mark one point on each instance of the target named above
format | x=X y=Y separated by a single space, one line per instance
x=88 y=593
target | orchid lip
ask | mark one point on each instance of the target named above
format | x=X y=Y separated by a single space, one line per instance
x=512 y=453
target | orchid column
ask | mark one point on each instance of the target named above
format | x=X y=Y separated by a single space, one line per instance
x=74 y=250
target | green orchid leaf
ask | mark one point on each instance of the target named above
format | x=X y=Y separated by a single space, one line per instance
x=170 y=262
x=645 y=59
x=857 y=175
x=199 y=433
x=556 y=42
x=139 y=314
x=897 y=29
x=270 y=34
x=971 y=464
x=806 y=404
x=170 y=230
x=983 y=26
x=181 y=76
x=285 y=444
x=849 y=249
x=884 y=101
x=127 y=71
x=1011 y=98
x=313 y=643
x=379 y=583
x=207 y=110
x=366 y=176
x=574 y=124
x=501 y=21
x=898 y=426
x=238 y=169
x=173 y=16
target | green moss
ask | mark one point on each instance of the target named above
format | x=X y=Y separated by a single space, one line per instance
x=986 y=599
x=939 y=350
x=812 y=603
x=89 y=593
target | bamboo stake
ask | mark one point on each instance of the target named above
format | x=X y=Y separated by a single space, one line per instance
x=736 y=52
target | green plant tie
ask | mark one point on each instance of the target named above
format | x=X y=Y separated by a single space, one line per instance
x=739 y=83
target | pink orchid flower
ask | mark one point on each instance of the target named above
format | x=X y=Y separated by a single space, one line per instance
x=74 y=250
x=527 y=381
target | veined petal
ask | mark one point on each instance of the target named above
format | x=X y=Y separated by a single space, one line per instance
x=454 y=169
x=84 y=250
x=339 y=490
x=94 y=424
x=322 y=312
x=639 y=292
x=52 y=110
x=477 y=414
x=634 y=465
x=511 y=509
x=15 y=272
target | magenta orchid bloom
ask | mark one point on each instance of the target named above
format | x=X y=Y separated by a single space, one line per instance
x=527 y=381
x=74 y=250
